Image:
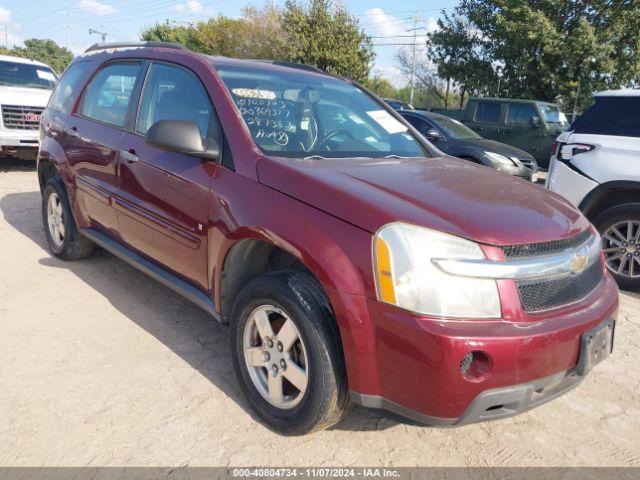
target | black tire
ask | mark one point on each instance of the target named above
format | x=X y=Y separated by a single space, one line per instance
x=610 y=217
x=74 y=246
x=326 y=397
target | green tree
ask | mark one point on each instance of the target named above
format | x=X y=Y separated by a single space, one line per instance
x=381 y=86
x=189 y=36
x=326 y=35
x=544 y=49
x=46 y=51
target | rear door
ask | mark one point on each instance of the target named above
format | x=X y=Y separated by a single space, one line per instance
x=486 y=118
x=92 y=136
x=165 y=196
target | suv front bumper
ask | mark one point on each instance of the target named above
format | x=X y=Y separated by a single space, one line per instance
x=417 y=361
x=10 y=139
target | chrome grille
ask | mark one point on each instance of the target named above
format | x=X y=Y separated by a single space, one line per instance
x=547 y=293
x=538 y=295
x=20 y=117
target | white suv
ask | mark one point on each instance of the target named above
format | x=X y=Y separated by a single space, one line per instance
x=596 y=165
x=25 y=88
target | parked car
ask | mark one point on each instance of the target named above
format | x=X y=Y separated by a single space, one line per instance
x=529 y=125
x=595 y=165
x=25 y=88
x=458 y=140
x=399 y=104
x=352 y=261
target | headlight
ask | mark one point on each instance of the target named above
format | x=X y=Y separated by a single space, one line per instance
x=501 y=159
x=407 y=277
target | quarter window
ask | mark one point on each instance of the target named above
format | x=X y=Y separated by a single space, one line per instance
x=488 y=112
x=62 y=97
x=108 y=96
x=174 y=93
x=520 y=114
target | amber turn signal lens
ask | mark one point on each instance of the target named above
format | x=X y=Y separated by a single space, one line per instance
x=385 y=275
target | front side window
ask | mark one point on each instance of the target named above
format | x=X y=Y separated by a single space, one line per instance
x=62 y=97
x=488 y=112
x=14 y=74
x=108 y=96
x=520 y=114
x=173 y=93
x=454 y=128
x=618 y=116
x=297 y=114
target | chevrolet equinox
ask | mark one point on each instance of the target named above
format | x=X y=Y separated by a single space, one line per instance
x=353 y=261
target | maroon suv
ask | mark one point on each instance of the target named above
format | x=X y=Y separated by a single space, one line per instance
x=352 y=259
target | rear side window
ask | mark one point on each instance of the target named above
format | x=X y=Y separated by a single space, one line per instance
x=174 y=93
x=617 y=116
x=519 y=114
x=66 y=91
x=108 y=96
x=488 y=112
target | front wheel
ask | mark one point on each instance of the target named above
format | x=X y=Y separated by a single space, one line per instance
x=620 y=230
x=287 y=353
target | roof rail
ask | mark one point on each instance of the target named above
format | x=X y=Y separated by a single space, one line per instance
x=104 y=46
x=299 y=66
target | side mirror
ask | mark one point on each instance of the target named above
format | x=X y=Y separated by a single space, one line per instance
x=534 y=121
x=433 y=134
x=184 y=137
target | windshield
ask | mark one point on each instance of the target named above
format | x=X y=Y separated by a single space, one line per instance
x=296 y=114
x=454 y=128
x=551 y=113
x=15 y=74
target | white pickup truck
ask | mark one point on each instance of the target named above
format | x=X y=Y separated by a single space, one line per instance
x=25 y=88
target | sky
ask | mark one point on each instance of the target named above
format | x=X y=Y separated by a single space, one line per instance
x=68 y=22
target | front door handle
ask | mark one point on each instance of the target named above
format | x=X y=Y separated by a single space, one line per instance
x=128 y=156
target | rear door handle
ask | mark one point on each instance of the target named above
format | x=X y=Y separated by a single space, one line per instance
x=128 y=156
x=72 y=132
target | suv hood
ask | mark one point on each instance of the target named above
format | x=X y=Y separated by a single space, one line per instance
x=497 y=147
x=444 y=193
x=30 y=97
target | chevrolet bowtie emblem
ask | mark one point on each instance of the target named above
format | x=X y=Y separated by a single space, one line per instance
x=578 y=262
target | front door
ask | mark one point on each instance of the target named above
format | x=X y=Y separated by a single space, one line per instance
x=520 y=130
x=91 y=140
x=165 y=196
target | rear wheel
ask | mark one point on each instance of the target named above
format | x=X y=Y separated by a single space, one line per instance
x=287 y=353
x=620 y=230
x=59 y=225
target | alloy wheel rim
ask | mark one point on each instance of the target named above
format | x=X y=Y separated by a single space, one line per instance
x=55 y=219
x=276 y=357
x=621 y=248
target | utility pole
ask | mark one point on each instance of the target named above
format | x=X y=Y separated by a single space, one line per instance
x=67 y=25
x=6 y=37
x=415 y=29
x=98 y=32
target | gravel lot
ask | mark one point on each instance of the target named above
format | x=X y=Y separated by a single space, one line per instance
x=101 y=366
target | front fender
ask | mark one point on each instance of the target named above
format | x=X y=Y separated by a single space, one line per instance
x=337 y=253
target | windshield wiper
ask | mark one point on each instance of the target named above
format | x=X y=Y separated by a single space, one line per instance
x=315 y=157
x=394 y=156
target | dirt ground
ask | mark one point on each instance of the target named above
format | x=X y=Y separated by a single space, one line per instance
x=102 y=366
